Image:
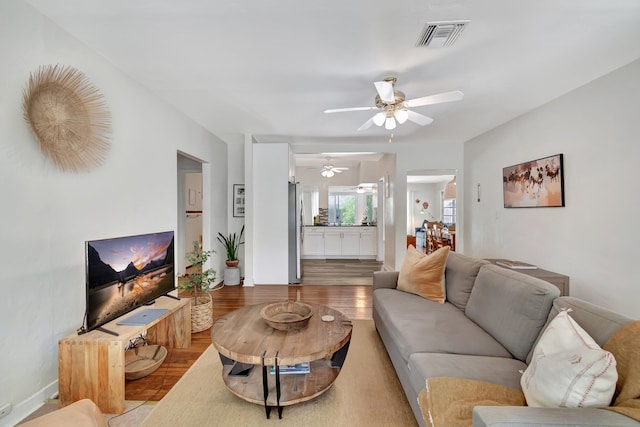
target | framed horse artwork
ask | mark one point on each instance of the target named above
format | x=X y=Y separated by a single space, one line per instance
x=534 y=184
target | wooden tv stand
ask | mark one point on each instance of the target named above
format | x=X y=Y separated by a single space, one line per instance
x=91 y=365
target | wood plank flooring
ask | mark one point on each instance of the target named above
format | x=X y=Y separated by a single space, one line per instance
x=339 y=271
x=352 y=298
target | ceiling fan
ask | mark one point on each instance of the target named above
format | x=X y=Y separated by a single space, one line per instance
x=395 y=108
x=329 y=170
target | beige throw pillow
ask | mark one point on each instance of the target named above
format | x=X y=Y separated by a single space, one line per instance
x=568 y=369
x=423 y=274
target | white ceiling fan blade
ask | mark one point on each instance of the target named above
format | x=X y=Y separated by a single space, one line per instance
x=385 y=90
x=342 y=110
x=456 y=95
x=367 y=124
x=418 y=118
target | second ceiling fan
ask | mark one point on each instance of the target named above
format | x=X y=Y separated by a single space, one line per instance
x=395 y=108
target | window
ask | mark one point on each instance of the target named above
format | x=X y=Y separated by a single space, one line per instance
x=342 y=209
x=449 y=211
x=348 y=207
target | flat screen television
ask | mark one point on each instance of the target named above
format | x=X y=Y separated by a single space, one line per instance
x=124 y=273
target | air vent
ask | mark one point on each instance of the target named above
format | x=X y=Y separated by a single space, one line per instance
x=440 y=34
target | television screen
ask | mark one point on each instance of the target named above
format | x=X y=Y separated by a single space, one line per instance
x=124 y=273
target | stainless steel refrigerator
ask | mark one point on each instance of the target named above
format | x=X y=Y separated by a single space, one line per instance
x=296 y=232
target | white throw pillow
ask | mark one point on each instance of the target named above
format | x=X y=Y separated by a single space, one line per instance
x=568 y=369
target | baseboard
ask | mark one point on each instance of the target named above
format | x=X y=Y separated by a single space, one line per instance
x=28 y=406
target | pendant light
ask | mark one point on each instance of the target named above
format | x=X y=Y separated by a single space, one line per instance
x=450 y=189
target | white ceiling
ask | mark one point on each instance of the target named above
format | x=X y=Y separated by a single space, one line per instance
x=270 y=68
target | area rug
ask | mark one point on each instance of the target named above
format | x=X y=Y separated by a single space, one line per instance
x=366 y=393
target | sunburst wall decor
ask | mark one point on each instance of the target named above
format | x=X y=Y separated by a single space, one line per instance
x=68 y=117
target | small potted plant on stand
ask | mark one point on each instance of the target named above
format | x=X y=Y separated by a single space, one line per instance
x=199 y=280
x=231 y=243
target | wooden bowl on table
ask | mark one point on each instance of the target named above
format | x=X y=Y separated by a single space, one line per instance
x=287 y=315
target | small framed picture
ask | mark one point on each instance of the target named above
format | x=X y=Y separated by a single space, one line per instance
x=238 y=200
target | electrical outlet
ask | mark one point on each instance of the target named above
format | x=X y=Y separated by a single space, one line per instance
x=5 y=409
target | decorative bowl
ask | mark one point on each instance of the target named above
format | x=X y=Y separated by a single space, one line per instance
x=287 y=315
x=142 y=361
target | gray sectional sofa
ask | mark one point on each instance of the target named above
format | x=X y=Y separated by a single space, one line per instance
x=484 y=331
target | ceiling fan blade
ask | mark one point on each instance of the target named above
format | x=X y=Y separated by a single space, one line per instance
x=385 y=90
x=367 y=124
x=456 y=95
x=342 y=110
x=418 y=118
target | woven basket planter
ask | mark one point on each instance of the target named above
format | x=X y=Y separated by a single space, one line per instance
x=201 y=314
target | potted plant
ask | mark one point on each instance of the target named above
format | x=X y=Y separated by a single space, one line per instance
x=199 y=280
x=231 y=244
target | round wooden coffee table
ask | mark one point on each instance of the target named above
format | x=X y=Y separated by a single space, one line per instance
x=249 y=349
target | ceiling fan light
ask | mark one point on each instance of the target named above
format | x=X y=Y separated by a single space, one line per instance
x=327 y=173
x=390 y=123
x=401 y=116
x=379 y=118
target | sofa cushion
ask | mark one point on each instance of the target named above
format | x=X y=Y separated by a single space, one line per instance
x=420 y=325
x=569 y=369
x=460 y=274
x=497 y=370
x=423 y=274
x=511 y=306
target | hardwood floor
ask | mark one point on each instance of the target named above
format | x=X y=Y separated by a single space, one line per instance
x=339 y=271
x=354 y=301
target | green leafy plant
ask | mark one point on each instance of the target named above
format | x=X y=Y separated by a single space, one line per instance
x=199 y=280
x=231 y=244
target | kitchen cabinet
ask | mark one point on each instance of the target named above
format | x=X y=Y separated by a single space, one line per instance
x=333 y=242
x=368 y=239
x=343 y=241
x=351 y=241
x=339 y=242
x=313 y=243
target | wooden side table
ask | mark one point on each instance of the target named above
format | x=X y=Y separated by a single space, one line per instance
x=92 y=365
x=559 y=280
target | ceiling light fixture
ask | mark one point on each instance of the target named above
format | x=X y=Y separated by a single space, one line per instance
x=379 y=118
x=390 y=123
x=327 y=173
x=401 y=115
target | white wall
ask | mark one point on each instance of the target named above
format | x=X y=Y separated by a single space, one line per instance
x=425 y=193
x=271 y=216
x=235 y=149
x=594 y=238
x=47 y=215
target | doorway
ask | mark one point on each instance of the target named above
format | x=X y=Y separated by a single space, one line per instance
x=190 y=208
x=431 y=197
